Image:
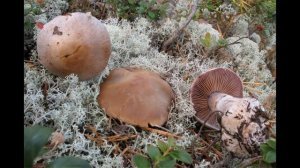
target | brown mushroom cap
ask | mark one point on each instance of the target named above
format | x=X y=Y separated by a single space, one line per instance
x=136 y=96
x=74 y=43
x=221 y=80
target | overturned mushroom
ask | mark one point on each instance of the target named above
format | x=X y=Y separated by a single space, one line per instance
x=136 y=96
x=218 y=94
x=218 y=80
x=75 y=43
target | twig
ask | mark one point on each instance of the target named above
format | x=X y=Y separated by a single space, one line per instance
x=116 y=138
x=223 y=163
x=211 y=146
x=214 y=149
x=164 y=133
x=235 y=42
x=159 y=127
x=211 y=114
x=198 y=134
x=219 y=30
x=249 y=161
x=177 y=32
x=124 y=151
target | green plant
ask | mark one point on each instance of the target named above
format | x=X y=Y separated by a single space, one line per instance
x=268 y=150
x=206 y=41
x=266 y=7
x=222 y=42
x=243 y=5
x=263 y=16
x=133 y=8
x=164 y=155
x=30 y=10
x=210 y=5
x=35 y=138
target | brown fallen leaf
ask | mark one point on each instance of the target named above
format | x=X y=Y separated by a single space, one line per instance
x=57 y=138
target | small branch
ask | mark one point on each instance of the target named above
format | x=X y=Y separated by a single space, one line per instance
x=235 y=42
x=177 y=32
x=249 y=161
x=223 y=163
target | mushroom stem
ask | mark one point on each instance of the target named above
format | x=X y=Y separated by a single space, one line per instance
x=225 y=103
x=243 y=123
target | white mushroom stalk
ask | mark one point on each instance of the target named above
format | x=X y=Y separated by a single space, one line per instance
x=243 y=123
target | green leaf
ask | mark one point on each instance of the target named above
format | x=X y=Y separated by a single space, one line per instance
x=162 y=146
x=171 y=142
x=131 y=2
x=34 y=139
x=68 y=162
x=206 y=41
x=141 y=162
x=222 y=42
x=43 y=151
x=265 y=148
x=182 y=155
x=272 y=143
x=270 y=157
x=27 y=8
x=141 y=10
x=166 y=162
x=153 y=152
x=151 y=15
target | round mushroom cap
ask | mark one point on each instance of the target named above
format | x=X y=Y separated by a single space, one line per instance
x=221 y=80
x=75 y=43
x=136 y=96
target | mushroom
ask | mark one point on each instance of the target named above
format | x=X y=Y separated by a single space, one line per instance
x=136 y=96
x=217 y=94
x=75 y=43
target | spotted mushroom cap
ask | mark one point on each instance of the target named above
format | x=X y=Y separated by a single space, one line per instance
x=136 y=96
x=221 y=80
x=75 y=43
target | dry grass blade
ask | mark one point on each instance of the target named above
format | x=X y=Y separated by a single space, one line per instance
x=254 y=83
x=164 y=133
x=100 y=139
x=116 y=138
x=252 y=89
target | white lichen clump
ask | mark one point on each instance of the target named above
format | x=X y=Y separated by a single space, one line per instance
x=240 y=27
x=249 y=59
x=198 y=31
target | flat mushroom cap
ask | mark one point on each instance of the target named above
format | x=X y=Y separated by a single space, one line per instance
x=221 y=80
x=75 y=43
x=136 y=96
